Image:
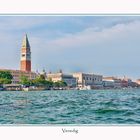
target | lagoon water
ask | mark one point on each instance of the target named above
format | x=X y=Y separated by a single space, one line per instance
x=70 y=107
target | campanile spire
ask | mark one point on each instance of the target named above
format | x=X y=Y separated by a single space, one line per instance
x=25 y=62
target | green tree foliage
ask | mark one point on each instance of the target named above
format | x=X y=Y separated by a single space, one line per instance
x=6 y=74
x=25 y=81
x=41 y=81
x=49 y=83
x=56 y=84
x=60 y=84
x=5 y=77
x=42 y=77
x=5 y=81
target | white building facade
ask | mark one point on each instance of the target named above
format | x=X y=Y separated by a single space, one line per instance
x=69 y=79
x=84 y=79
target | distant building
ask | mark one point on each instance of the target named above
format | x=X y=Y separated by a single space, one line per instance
x=126 y=82
x=84 y=79
x=108 y=83
x=18 y=73
x=69 y=79
x=112 y=82
x=117 y=82
x=43 y=73
x=25 y=64
x=138 y=82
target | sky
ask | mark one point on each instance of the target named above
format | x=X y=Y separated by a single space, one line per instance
x=106 y=45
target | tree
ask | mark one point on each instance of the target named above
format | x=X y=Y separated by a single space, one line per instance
x=42 y=76
x=56 y=84
x=60 y=84
x=6 y=74
x=49 y=83
x=25 y=81
x=39 y=81
x=5 y=77
x=5 y=81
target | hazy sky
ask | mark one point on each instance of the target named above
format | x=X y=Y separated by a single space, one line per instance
x=107 y=45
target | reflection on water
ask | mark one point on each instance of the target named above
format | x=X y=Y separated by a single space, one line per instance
x=70 y=107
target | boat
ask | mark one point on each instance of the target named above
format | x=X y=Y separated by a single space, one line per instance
x=32 y=88
x=25 y=89
x=85 y=88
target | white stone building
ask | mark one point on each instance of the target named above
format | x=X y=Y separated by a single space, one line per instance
x=69 y=79
x=85 y=79
x=112 y=82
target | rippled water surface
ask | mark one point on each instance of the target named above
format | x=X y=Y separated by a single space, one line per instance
x=70 y=107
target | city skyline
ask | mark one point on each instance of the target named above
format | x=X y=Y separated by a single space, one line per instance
x=108 y=45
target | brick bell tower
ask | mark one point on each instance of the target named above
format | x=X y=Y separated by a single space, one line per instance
x=25 y=62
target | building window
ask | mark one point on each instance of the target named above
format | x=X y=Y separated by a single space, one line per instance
x=23 y=55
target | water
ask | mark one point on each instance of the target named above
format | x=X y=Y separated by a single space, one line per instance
x=70 y=107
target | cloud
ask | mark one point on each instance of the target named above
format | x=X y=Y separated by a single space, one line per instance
x=90 y=36
x=25 y=22
x=115 y=47
x=95 y=44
